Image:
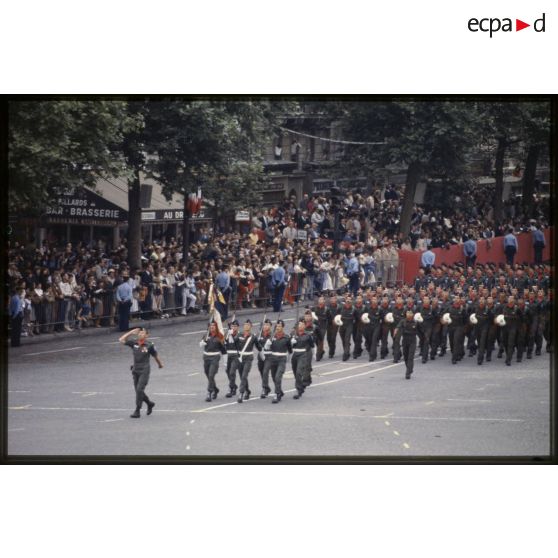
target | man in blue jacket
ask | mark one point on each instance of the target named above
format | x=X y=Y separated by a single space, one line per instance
x=538 y=244
x=470 y=252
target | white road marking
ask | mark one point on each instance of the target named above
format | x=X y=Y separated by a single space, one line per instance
x=192 y=421
x=366 y=397
x=15 y=429
x=19 y=408
x=187 y=447
x=314 y=385
x=406 y=445
x=55 y=351
x=187 y=433
x=473 y=400
x=184 y=411
x=189 y=394
x=90 y=393
x=110 y=420
x=472 y=419
x=345 y=415
x=18 y=391
x=429 y=403
x=396 y=433
x=357 y=366
x=387 y=422
x=193 y=374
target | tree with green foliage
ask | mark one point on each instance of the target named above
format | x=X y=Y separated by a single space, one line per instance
x=430 y=138
x=60 y=144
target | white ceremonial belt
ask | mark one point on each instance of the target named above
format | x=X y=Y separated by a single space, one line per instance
x=232 y=352
x=279 y=354
x=299 y=350
x=211 y=354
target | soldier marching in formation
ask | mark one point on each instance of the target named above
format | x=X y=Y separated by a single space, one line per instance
x=475 y=309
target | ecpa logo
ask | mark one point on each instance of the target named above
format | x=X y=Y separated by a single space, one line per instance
x=493 y=25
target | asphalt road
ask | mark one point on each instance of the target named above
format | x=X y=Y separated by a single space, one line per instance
x=74 y=396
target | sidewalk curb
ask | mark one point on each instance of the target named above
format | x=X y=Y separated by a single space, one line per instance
x=152 y=325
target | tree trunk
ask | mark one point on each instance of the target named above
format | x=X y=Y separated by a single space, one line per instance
x=185 y=231
x=499 y=190
x=529 y=179
x=134 y=222
x=413 y=176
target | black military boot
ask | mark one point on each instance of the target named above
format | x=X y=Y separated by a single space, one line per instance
x=150 y=405
x=277 y=398
x=240 y=398
x=299 y=393
x=135 y=414
x=529 y=355
x=371 y=358
x=231 y=393
x=247 y=395
x=215 y=392
x=500 y=353
x=208 y=398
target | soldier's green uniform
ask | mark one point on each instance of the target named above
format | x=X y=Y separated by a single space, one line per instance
x=233 y=362
x=280 y=347
x=512 y=315
x=332 y=329
x=346 y=330
x=375 y=315
x=485 y=317
x=246 y=344
x=358 y=329
x=141 y=370
x=302 y=351
x=408 y=330
x=213 y=348
x=264 y=363
x=456 y=332
x=321 y=313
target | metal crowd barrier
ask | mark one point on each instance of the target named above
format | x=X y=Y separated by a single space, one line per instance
x=54 y=317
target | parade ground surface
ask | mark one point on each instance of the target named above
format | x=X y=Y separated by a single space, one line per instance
x=73 y=396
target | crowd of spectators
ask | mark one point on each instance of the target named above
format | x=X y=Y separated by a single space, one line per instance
x=74 y=286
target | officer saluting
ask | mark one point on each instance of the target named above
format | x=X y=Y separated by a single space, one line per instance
x=142 y=350
x=408 y=330
x=280 y=347
x=213 y=348
x=246 y=343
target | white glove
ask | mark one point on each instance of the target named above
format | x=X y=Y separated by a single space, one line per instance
x=267 y=345
x=261 y=356
x=202 y=343
x=293 y=341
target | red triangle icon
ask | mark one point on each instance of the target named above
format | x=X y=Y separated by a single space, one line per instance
x=519 y=25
